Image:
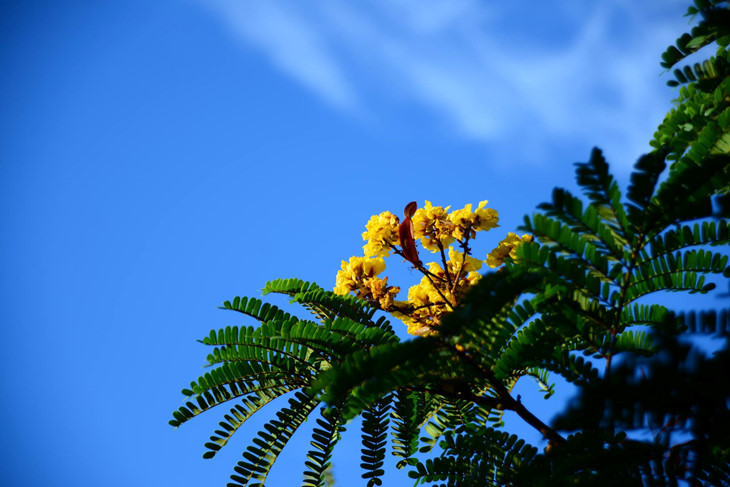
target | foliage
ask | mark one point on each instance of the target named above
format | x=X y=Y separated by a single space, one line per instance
x=652 y=407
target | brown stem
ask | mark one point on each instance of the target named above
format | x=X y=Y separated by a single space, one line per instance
x=408 y=311
x=429 y=275
x=490 y=402
x=465 y=247
x=514 y=404
x=446 y=267
x=549 y=433
x=622 y=298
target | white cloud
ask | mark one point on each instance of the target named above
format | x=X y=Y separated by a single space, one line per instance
x=292 y=42
x=488 y=75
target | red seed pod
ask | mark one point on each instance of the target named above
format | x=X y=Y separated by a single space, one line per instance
x=405 y=232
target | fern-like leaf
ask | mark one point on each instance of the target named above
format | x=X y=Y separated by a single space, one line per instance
x=238 y=415
x=599 y=185
x=324 y=438
x=269 y=442
x=407 y=417
x=482 y=457
x=374 y=438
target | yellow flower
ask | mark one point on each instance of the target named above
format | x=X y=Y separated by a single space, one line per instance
x=380 y=292
x=507 y=247
x=469 y=263
x=465 y=275
x=360 y=276
x=353 y=273
x=418 y=329
x=431 y=225
x=473 y=277
x=468 y=222
x=426 y=309
x=415 y=327
x=465 y=283
x=381 y=232
x=435 y=268
x=440 y=289
x=373 y=267
x=486 y=218
x=426 y=305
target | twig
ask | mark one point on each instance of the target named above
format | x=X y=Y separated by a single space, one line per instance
x=446 y=267
x=513 y=404
x=428 y=275
x=465 y=247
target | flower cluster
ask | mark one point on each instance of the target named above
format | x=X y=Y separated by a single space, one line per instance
x=469 y=222
x=360 y=276
x=381 y=234
x=438 y=292
x=443 y=284
x=437 y=228
x=506 y=248
x=431 y=224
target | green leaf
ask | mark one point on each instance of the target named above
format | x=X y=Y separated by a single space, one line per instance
x=374 y=436
x=259 y=460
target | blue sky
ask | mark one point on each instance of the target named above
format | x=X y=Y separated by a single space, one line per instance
x=160 y=157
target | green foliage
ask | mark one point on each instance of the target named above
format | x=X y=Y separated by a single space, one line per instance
x=283 y=355
x=698 y=126
x=324 y=438
x=579 y=303
x=480 y=457
x=407 y=417
x=374 y=439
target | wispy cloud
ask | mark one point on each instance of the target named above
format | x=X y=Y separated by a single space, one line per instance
x=292 y=41
x=490 y=73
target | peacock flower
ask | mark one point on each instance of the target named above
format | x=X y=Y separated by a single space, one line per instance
x=431 y=225
x=462 y=263
x=441 y=288
x=467 y=222
x=354 y=273
x=381 y=232
x=426 y=308
x=380 y=291
x=506 y=248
